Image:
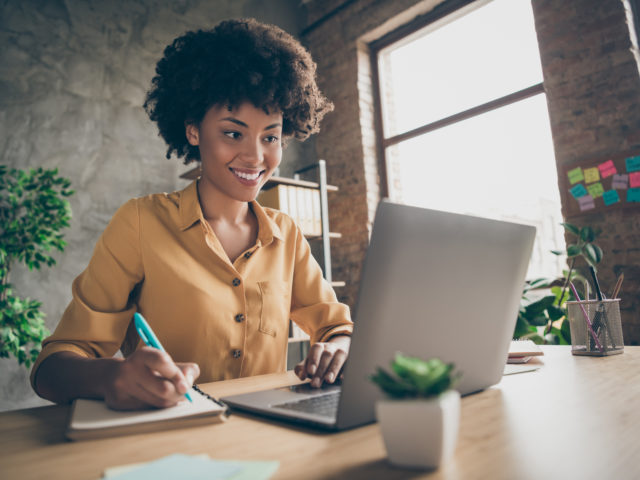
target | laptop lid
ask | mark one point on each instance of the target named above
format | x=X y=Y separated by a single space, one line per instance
x=434 y=284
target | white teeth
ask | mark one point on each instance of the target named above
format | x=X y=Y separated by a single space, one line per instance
x=247 y=176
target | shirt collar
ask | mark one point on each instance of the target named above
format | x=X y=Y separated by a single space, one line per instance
x=267 y=228
x=191 y=212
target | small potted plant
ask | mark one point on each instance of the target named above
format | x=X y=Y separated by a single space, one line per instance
x=420 y=417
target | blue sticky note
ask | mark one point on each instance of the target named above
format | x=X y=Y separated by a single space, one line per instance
x=252 y=470
x=610 y=197
x=184 y=467
x=578 y=191
x=633 y=164
x=633 y=195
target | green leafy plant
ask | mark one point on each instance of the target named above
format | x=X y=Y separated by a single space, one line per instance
x=33 y=211
x=582 y=248
x=538 y=319
x=542 y=319
x=415 y=377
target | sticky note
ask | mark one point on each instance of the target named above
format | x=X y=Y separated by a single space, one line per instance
x=634 y=179
x=586 y=203
x=575 y=175
x=607 y=169
x=610 y=197
x=578 y=191
x=185 y=467
x=633 y=195
x=591 y=175
x=253 y=470
x=620 y=181
x=595 y=190
x=633 y=164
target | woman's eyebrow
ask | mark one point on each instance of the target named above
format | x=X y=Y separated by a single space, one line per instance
x=236 y=121
x=242 y=124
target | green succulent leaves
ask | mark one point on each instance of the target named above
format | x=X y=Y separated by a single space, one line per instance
x=415 y=378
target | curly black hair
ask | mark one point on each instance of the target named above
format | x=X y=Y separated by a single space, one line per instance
x=236 y=61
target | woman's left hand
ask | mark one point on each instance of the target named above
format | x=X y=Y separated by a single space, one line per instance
x=325 y=361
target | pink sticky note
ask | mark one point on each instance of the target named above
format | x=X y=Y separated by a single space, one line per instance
x=634 y=179
x=607 y=169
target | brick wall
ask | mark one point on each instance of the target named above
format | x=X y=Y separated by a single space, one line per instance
x=347 y=139
x=593 y=92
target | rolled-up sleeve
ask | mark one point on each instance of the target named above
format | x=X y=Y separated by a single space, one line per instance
x=96 y=321
x=315 y=307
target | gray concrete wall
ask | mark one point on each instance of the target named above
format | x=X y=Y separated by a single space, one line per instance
x=73 y=75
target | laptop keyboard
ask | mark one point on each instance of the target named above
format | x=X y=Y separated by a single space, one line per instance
x=323 y=405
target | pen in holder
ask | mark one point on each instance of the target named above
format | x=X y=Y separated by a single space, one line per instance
x=596 y=328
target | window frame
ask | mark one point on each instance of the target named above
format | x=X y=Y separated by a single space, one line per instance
x=448 y=10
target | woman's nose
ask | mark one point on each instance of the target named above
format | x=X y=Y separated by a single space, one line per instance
x=253 y=151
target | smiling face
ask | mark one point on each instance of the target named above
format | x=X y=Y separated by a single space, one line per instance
x=239 y=149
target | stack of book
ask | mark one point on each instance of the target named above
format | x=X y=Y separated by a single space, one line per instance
x=300 y=203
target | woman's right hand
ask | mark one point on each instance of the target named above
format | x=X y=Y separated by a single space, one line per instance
x=148 y=377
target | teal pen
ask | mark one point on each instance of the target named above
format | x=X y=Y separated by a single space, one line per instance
x=149 y=338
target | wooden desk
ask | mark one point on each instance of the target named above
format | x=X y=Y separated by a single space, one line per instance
x=575 y=418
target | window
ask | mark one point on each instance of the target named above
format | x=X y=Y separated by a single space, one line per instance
x=632 y=10
x=465 y=122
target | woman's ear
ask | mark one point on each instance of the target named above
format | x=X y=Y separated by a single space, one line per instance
x=193 y=134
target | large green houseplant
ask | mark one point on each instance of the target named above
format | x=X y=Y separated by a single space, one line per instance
x=542 y=318
x=33 y=211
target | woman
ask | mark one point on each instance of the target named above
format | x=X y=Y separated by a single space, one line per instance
x=216 y=275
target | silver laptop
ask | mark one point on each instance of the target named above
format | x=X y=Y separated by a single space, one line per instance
x=434 y=284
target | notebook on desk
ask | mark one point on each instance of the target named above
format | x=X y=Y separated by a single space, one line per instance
x=91 y=419
x=434 y=284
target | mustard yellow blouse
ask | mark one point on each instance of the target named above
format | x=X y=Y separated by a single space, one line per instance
x=158 y=256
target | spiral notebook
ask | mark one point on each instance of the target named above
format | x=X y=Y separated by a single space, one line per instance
x=92 y=419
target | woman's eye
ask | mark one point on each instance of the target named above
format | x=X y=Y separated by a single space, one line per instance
x=233 y=135
x=271 y=139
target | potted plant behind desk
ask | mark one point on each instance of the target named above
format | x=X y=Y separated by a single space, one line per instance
x=543 y=316
x=33 y=211
x=420 y=417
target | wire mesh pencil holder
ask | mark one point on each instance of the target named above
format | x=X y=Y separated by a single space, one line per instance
x=596 y=329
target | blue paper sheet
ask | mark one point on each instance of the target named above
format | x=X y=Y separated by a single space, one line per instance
x=183 y=467
x=192 y=467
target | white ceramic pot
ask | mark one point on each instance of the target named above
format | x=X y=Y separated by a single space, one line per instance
x=420 y=433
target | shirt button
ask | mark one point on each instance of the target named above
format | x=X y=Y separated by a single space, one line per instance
x=236 y=353
x=239 y=318
x=247 y=255
x=236 y=282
